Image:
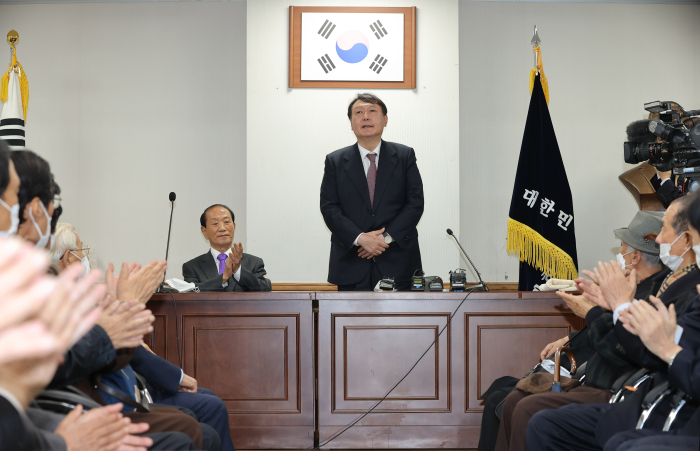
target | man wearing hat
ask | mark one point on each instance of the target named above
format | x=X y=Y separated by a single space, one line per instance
x=639 y=251
x=595 y=346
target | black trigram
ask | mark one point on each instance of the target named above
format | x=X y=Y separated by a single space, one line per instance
x=378 y=63
x=326 y=63
x=378 y=29
x=326 y=29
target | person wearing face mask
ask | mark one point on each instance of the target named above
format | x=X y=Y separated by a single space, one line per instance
x=68 y=249
x=9 y=188
x=36 y=197
x=639 y=252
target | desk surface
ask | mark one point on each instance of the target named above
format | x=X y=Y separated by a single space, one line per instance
x=295 y=367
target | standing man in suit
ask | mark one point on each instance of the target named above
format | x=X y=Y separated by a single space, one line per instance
x=224 y=267
x=372 y=207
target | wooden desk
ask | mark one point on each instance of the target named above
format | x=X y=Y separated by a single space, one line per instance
x=262 y=352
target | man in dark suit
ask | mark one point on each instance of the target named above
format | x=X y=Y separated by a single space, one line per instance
x=372 y=200
x=224 y=267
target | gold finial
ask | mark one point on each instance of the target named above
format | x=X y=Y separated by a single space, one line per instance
x=12 y=38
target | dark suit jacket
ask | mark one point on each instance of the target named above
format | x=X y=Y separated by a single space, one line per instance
x=89 y=355
x=203 y=272
x=684 y=374
x=347 y=211
x=678 y=293
x=158 y=372
x=668 y=192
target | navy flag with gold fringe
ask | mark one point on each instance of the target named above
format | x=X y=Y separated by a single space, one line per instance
x=541 y=219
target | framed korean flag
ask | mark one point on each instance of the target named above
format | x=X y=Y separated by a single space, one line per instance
x=352 y=47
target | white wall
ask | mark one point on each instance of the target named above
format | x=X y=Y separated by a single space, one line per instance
x=130 y=101
x=291 y=130
x=603 y=62
x=127 y=107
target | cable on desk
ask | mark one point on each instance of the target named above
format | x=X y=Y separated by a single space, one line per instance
x=449 y=320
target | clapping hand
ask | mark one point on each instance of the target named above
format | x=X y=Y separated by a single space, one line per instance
x=233 y=262
x=136 y=282
x=579 y=304
x=656 y=327
x=614 y=286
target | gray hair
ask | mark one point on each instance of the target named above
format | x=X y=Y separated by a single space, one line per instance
x=66 y=240
x=652 y=261
x=680 y=220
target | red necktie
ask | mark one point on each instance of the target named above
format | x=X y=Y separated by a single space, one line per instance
x=371 y=176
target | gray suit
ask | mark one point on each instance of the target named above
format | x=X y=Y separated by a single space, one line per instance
x=204 y=272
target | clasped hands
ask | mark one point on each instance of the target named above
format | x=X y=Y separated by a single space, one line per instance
x=371 y=244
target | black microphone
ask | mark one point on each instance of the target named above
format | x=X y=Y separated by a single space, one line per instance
x=481 y=286
x=162 y=288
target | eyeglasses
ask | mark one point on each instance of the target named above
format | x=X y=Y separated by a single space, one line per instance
x=85 y=250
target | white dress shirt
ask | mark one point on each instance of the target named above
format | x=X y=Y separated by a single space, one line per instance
x=215 y=255
x=366 y=163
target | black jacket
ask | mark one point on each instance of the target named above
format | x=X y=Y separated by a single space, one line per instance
x=203 y=272
x=347 y=211
x=684 y=375
x=668 y=192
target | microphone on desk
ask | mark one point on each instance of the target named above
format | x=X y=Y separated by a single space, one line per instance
x=481 y=286
x=162 y=288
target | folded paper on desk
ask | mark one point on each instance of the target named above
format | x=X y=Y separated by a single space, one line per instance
x=557 y=285
x=181 y=286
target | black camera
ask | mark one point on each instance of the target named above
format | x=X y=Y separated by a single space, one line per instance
x=665 y=142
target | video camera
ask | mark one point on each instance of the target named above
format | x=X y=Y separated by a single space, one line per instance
x=679 y=148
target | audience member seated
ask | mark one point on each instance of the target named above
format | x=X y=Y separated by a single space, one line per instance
x=612 y=357
x=670 y=339
x=69 y=249
x=168 y=384
x=224 y=267
x=639 y=250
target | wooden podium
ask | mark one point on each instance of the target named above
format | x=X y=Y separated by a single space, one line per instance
x=295 y=367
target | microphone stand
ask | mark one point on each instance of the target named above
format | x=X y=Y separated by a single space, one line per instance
x=162 y=288
x=481 y=286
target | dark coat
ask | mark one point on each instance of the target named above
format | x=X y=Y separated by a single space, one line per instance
x=348 y=212
x=667 y=193
x=684 y=375
x=203 y=272
x=158 y=372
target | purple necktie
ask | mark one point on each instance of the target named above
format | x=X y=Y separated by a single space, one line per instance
x=222 y=262
x=371 y=176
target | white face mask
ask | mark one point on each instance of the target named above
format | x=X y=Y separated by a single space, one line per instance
x=86 y=264
x=672 y=261
x=621 y=260
x=43 y=239
x=14 y=219
x=696 y=249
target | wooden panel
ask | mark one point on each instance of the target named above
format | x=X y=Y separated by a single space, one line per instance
x=368 y=341
x=255 y=350
x=251 y=359
x=499 y=345
x=372 y=352
x=261 y=352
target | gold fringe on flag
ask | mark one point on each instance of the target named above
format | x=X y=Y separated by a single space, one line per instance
x=543 y=79
x=539 y=253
